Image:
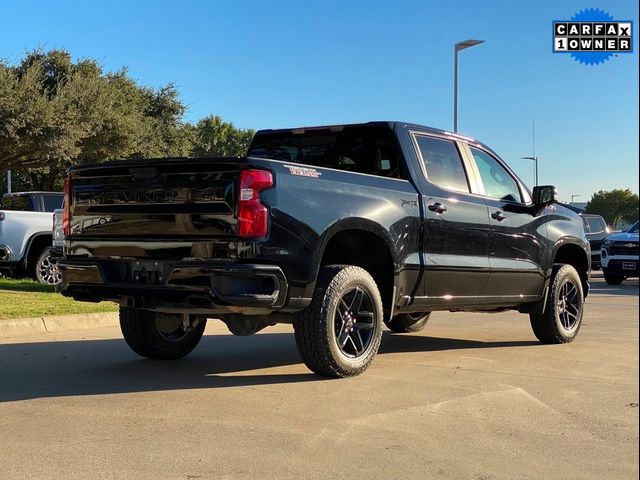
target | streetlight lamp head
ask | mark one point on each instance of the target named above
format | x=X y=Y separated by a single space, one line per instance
x=530 y=158
x=467 y=43
x=459 y=46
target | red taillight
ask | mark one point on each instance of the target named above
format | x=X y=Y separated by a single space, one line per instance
x=252 y=215
x=66 y=208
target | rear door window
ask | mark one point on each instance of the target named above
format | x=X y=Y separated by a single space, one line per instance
x=443 y=163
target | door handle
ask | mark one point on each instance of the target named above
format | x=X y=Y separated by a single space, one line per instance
x=437 y=207
x=499 y=216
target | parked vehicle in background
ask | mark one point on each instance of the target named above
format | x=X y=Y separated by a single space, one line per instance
x=57 y=244
x=336 y=229
x=620 y=256
x=25 y=235
x=596 y=230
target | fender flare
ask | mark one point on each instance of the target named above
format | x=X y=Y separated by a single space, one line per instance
x=584 y=247
x=29 y=245
x=356 y=223
x=570 y=240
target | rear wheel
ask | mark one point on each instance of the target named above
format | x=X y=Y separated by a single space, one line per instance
x=408 y=322
x=339 y=333
x=161 y=336
x=562 y=317
x=612 y=279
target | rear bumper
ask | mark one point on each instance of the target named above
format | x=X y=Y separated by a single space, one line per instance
x=198 y=287
x=7 y=265
x=10 y=268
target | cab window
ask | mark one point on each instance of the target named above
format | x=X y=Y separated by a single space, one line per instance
x=52 y=202
x=442 y=163
x=17 y=203
x=497 y=181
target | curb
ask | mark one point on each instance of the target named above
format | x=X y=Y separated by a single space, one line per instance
x=58 y=323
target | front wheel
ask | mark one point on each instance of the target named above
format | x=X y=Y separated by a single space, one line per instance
x=562 y=317
x=47 y=271
x=408 y=322
x=161 y=336
x=339 y=333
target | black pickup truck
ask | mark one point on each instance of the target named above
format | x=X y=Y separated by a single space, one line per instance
x=337 y=230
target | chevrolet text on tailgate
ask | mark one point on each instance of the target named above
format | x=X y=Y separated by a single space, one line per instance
x=336 y=230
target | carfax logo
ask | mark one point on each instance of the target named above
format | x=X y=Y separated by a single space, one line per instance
x=592 y=36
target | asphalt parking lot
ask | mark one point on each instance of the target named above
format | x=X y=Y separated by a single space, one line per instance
x=472 y=396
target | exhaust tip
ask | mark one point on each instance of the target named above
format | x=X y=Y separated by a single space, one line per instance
x=5 y=253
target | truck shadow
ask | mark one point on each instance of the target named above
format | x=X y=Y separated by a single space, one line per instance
x=97 y=367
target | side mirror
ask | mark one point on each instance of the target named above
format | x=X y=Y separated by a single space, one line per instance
x=544 y=195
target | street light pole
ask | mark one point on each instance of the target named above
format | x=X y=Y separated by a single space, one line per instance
x=8 y=181
x=574 y=196
x=457 y=47
x=535 y=159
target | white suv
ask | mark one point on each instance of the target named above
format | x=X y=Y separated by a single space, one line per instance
x=620 y=256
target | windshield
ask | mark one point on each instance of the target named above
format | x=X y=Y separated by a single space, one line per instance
x=634 y=228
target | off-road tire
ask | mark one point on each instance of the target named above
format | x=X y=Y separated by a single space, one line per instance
x=140 y=331
x=548 y=327
x=408 y=322
x=315 y=329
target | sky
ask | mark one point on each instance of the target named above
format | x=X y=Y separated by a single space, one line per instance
x=277 y=64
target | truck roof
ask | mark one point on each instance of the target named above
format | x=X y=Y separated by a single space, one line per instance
x=391 y=124
x=380 y=123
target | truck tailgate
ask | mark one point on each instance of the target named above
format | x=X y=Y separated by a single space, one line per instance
x=153 y=199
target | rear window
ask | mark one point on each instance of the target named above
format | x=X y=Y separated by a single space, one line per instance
x=596 y=225
x=52 y=202
x=17 y=202
x=370 y=150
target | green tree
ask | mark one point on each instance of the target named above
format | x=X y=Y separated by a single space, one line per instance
x=614 y=206
x=55 y=113
x=213 y=137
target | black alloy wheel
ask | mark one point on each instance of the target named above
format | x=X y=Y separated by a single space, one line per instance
x=569 y=305
x=354 y=322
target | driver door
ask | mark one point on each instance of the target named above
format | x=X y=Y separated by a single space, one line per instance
x=516 y=237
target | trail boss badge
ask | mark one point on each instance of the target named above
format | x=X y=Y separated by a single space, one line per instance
x=303 y=171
